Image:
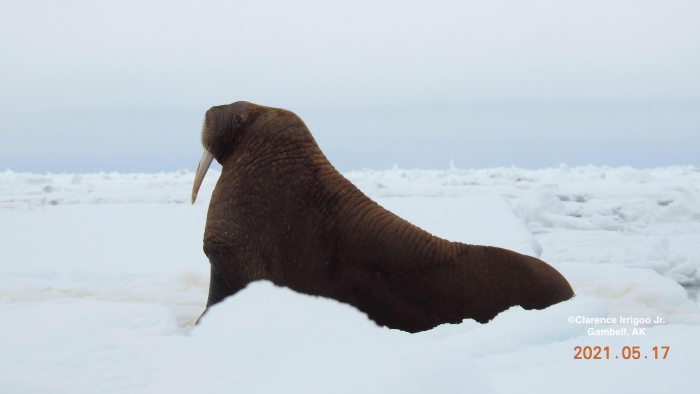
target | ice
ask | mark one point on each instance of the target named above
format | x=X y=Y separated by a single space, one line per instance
x=102 y=277
x=31 y=191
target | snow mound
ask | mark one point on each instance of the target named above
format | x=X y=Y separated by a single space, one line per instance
x=270 y=339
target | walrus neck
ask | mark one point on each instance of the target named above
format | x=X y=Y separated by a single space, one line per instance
x=255 y=156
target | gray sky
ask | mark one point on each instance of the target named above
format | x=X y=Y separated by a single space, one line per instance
x=123 y=86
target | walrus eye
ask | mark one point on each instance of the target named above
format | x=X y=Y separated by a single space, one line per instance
x=238 y=121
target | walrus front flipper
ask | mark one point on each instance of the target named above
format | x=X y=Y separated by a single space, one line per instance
x=219 y=287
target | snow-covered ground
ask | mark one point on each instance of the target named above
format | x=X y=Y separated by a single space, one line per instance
x=102 y=277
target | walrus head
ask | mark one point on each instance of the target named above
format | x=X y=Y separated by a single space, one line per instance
x=221 y=123
x=225 y=127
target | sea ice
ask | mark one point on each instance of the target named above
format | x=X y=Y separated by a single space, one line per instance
x=102 y=277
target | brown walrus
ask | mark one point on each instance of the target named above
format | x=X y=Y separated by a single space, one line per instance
x=281 y=212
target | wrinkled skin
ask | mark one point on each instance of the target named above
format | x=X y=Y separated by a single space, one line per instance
x=281 y=212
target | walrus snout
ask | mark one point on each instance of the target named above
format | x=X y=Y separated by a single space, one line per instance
x=207 y=156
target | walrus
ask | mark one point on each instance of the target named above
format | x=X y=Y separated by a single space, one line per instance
x=281 y=212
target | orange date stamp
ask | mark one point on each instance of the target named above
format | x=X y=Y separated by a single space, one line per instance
x=626 y=353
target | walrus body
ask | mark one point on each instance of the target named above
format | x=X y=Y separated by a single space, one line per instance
x=281 y=212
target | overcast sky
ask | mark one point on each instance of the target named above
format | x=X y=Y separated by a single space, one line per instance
x=123 y=86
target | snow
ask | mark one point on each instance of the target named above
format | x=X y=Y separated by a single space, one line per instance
x=102 y=277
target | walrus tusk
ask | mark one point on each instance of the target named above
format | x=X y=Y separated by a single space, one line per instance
x=202 y=167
